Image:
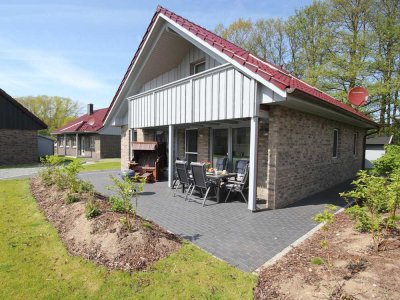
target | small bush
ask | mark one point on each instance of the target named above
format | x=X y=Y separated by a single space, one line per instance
x=92 y=209
x=118 y=205
x=148 y=225
x=72 y=198
x=360 y=215
x=317 y=261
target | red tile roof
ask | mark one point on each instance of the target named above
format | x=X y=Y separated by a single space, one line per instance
x=280 y=78
x=85 y=123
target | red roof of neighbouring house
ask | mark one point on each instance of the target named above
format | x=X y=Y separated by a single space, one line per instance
x=85 y=123
x=280 y=78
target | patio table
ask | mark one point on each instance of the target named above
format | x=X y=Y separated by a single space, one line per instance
x=217 y=178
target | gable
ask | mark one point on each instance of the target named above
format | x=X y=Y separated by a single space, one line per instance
x=14 y=115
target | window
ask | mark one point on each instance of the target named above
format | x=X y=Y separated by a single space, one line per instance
x=335 y=143
x=134 y=135
x=191 y=145
x=60 y=141
x=73 y=142
x=355 y=143
x=67 y=141
x=197 y=67
x=92 y=142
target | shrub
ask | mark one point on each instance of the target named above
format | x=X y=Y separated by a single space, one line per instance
x=126 y=189
x=360 y=215
x=118 y=205
x=92 y=209
x=373 y=193
x=51 y=169
x=71 y=171
x=72 y=198
x=387 y=163
x=148 y=225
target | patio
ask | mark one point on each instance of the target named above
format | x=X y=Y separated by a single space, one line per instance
x=227 y=230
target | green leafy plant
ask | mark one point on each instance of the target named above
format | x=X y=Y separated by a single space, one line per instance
x=72 y=198
x=317 y=261
x=387 y=163
x=373 y=193
x=71 y=171
x=51 y=170
x=148 y=225
x=126 y=189
x=327 y=218
x=118 y=205
x=92 y=209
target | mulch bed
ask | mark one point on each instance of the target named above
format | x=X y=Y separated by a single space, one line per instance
x=104 y=239
x=356 y=272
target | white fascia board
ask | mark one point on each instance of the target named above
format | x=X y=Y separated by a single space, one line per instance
x=131 y=70
x=196 y=40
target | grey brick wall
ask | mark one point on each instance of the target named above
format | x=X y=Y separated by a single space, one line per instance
x=18 y=147
x=203 y=144
x=300 y=159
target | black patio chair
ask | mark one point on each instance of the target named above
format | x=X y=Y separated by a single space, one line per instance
x=240 y=167
x=239 y=185
x=183 y=177
x=200 y=180
x=221 y=164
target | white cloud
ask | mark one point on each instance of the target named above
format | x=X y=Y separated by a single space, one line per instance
x=32 y=64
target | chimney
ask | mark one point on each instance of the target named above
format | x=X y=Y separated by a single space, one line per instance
x=90 y=109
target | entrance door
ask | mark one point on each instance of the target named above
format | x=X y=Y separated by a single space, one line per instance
x=82 y=146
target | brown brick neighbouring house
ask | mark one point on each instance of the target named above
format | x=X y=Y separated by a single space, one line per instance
x=87 y=137
x=18 y=132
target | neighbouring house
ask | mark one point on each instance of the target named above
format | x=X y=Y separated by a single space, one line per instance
x=87 y=137
x=375 y=148
x=45 y=145
x=18 y=132
x=207 y=98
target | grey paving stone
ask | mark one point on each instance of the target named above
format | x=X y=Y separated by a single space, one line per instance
x=228 y=230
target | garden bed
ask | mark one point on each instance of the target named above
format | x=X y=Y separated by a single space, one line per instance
x=104 y=239
x=356 y=272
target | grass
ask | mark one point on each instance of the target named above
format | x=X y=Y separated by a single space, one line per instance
x=103 y=164
x=20 y=166
x=35 y=265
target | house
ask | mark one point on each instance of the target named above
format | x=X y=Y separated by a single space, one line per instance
x=18 y=132
x=87 y=137
x=375 y=148
x=45 y=145
x=207 y=98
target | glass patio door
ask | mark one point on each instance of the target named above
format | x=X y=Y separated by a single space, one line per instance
x=220 y=144
x=240 y=144
x=191 y=145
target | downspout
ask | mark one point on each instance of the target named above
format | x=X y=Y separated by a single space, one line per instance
x=365 y=146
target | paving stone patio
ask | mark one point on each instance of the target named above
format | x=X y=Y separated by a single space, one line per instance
x=228 y=230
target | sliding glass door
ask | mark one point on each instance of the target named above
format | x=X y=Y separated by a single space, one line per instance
x=191 y=145
x=220 y=144
x=240 y=144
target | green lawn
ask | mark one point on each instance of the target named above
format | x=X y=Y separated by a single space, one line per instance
x=35 y=265
x=103 y=164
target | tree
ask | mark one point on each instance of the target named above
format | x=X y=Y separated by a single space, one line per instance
x=53 y=110
x=239 y=33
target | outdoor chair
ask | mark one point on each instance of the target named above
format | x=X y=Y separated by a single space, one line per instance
x=183 y=177
x=200 y=180
x=240 y=167
x=221 y=164
x=239 y=185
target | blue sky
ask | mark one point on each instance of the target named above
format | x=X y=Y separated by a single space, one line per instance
x=81 y=49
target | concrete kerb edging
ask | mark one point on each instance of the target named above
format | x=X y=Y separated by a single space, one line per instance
x=296 y=243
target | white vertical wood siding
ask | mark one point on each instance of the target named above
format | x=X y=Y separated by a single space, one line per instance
x=218 y=94
x=182 y=70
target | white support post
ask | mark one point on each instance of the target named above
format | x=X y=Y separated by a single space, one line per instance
x=253 y=164
x=171 y=150
x=76 y=144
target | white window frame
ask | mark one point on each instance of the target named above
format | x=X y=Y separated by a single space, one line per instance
x=196 y=64
x=193 y=153
x=337 y=143
x=60 y=141
x=92 y=146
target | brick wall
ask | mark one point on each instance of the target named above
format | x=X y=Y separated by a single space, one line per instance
x=300 y=159
x=18 y=146
x=125 y=147
x=203 y=144
x=110 y=146
x=262 y=160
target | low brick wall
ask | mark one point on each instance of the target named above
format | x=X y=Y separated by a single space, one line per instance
x=300 y=161
x=18 y=147
x=125 y=147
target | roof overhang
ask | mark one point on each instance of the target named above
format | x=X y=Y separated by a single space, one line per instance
x=303 y=102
